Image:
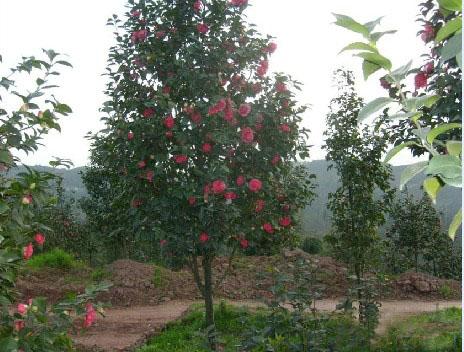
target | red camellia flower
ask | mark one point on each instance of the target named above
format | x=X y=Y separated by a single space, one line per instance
x=90 y=315
x=428 y=67
x=244 y=243
x=22 y=308
x=166 y=90
x=259 y=205
x=286 y=207
x=271 y=48
x=284 y=128
x=163 y=242
x=244 y=110
x=169 y=122
x=197 y=5
x=238 y=2
x=148 y=112
x=384 y=83
x=196 y=117
x=202 y=28
x=285 y=221
x=150 y=175
x=268 y=227
x=139 y=36
x=19 y=325
x=255 y=185
x=180 y=159
x=141 y=164
x=420 y=80
x=130 y=135
x=169 y=134
x=230 y=195
x=276 y=159
x=206 y=148
x=280 y=87
x=240 y=181
x=203 y=237
x=218 y=186
x=136 y=203
x=257 y=87
x=428 y=33
x=218 y=107
x=39 y=238
x=135 y=13
x=28 y=251
x=27 y=199
x=192 y=200
x=247 y=135
x=262 y=68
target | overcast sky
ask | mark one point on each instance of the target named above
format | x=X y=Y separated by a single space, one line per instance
x=307 y=40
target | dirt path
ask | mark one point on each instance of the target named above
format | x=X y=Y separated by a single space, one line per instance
x=124 y=328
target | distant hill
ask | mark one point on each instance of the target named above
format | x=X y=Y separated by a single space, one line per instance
x=316 y=217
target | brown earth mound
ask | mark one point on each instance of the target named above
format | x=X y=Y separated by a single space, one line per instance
x=137 y=283
x=412 y=284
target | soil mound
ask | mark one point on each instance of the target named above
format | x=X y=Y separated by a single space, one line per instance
x=412 y=284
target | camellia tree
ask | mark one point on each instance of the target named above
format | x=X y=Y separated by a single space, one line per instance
x=431 y=109
x=203 y=137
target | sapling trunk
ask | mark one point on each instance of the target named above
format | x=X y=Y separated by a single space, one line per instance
x=208 y=297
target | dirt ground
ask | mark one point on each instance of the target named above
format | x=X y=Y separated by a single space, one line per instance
x=125 y=328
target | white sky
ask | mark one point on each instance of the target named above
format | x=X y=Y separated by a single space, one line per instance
x=308 y=44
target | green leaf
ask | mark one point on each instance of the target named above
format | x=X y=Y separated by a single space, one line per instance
x=459 y=59
x=349 y=23
x=359 y=46
x=369 y=68
x=448 y=166
x=377 y=59
x=454 y=147
x=454 y=226
x=403 y=116
x=432 y=186
x=392 y=152
x=372 y=24
x=445 y=127
x=412 y=104
x=5 y=157
x=374 y=106
x=400 y=73
x=377 y=35
x=65 y=63
x=63 y=109
x=411 y=171
x=452 y=5
x=449 y=28
x=452 y=47
x=3 y=207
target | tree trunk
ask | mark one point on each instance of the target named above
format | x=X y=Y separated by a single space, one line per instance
x=208 y=297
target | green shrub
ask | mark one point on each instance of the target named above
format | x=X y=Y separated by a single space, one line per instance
x=56 y=258
x=99 y=274
x=312 y=245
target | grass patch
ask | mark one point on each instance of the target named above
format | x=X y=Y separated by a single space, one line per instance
x=160 y=276
x=438 y=331
x=56 y=258
x=429 y=332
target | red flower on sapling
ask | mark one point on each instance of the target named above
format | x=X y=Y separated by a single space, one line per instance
x=268 y=227
x=244 y=110
x=203 y=237
x=285 y=221
x=197 y=5
x=39 y=238
x=181 y=158
x=169 y=122
x=148 y=112
x=28 y=251
x=192 y=200
x=206 y=148
x=420 y=80
x=244 y=243
x=247 y=135
x=130 y=135
x=280 y=87
x=255 y=185
x=141 y=164
x=259 y=205
x=240 y=181
x=202 y=28
x=218 y=186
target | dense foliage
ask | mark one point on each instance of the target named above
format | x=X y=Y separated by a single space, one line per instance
x=32 y=325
